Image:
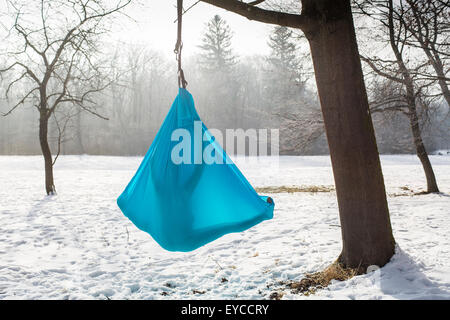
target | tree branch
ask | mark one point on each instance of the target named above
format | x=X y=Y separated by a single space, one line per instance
x=379 y=72
x=256 y=2
x=31 y=73
x=251 y=12
x=22 y=101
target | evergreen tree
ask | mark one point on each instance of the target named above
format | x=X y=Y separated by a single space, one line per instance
x=217 y=54
x=216 y=63
x=283 y=58
x=284 y=88
x=286 y=96
x=285 y=66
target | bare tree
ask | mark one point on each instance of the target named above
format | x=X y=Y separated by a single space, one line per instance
x=407 y=95
x=328 y=26
x=428 y=22
x=425 y=25
x=300 y=130
x=56 y=58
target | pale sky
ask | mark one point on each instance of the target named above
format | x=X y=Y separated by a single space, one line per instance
x=154 y=26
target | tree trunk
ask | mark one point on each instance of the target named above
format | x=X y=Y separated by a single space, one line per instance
x=421 y=151
x=415 y=128
x=364 y=214
x=79 y=134
x=43 y=139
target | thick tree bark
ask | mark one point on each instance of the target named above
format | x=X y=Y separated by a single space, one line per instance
x=43 y=139
x=365 y=223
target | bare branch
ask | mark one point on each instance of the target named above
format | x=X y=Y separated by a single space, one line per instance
x=378 y=71
x=17 y=63
x=22 y=101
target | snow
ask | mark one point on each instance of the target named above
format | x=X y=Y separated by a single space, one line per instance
x=78 y=245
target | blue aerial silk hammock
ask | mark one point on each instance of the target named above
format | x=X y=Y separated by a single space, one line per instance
x=184 y=206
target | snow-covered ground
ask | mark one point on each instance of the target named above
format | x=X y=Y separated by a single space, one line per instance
x=78 y=245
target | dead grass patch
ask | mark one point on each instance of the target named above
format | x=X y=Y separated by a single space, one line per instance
x=293 y=189
x=407 y=191
x=319 y=280
x=276 y=295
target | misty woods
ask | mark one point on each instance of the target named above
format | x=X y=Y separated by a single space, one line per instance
x=128 y=90
x=274 y=91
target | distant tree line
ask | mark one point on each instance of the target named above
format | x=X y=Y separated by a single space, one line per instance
x=230 y=91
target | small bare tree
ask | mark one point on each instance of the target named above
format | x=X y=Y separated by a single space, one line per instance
x=428 y=22
x=407 y=92
x=53 y=60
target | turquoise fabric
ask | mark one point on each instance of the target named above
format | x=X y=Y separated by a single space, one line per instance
x=184 y=206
